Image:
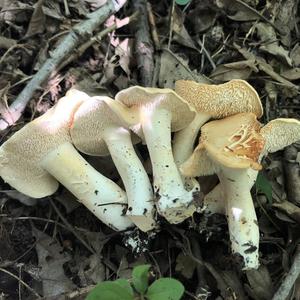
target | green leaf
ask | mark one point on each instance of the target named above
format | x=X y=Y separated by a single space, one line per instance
x=182 y=2
x=165 y=288
x=109 y=290
x=263 y=185
x=140 y=278
x=125 y=284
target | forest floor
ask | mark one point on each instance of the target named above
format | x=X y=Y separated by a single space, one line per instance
x=54 y=248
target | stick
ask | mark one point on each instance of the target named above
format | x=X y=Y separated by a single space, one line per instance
x=143 y=44
x=79 y=34
x=286 y=286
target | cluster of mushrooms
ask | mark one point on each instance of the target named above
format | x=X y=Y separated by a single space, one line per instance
x=45 y=153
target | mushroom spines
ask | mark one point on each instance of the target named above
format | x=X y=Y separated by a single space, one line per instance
x=221 y=100
x=280 y=133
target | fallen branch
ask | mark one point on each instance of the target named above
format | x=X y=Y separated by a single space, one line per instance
x=143 y=44
x=286 y=286
x=79 y=34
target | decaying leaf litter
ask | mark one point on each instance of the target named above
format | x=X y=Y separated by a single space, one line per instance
x=49 y=46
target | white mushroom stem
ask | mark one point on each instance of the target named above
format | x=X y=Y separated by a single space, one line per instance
x=214 y=201
x=105 y=199
x=174 y=202
x=184 y=140
x=241 y=216
x=183 y=145
x=137 y=184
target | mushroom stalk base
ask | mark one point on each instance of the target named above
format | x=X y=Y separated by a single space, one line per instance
x=174 y=202
x=106 y=200
x=137 y=184
x=241 y=216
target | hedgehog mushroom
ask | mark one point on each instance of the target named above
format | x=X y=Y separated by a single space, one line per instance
x=40 y=155
x=98 y=131
x=211 y=101
x=278 y=134
x=153 y=113
x=233 y=146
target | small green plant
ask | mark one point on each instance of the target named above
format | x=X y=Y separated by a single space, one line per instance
x=138 y=288
x=182 y=2
x=263 y=186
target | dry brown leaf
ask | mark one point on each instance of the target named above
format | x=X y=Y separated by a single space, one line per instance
x=295 y=55
x=51 y=260
x=37 y=21
x=260 y=284
x=285 y=18
x=123 y=50
x=4 y=107
x=235 y=70
x=185 y=265
x=236 y=11
x=181 y=35
x=291 y=74
x=270 y=44
x=207 y=20
x=290 y=209
x=6 y=43
x=173 y=68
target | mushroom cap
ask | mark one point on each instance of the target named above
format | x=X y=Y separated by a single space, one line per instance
x=234 y=142
x=136 y=97
x=21 y=155
x=90 y=122
x=222 y=100
x=280 y=133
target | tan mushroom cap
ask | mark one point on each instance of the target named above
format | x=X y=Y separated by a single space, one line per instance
x=235 y=141
x=90 y=121
x=280 y=133
x=136 y=96
x=222 y=100
x=20 y=156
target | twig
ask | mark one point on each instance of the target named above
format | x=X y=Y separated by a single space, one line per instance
x=292 y=173
x=206 y=53
x=9 y=50
x=22 y=282
x=143 y=44
x=286 y=286
x=97 y=38
x=153 y=27
x=71 y=228
x=80 y=33
x=171 y=23
x=67 y=10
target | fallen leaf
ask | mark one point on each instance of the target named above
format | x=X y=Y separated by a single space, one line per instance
x=236 y=11
x=37 y=21
x=291 y=74
x=20 y=197
x=295 y=55
x=6 y=43
x=173 y=67
x=51 y=259
x=260 y=285
x=290 y=209
x=123 y=50
x=235 y=70
x=185 y=265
